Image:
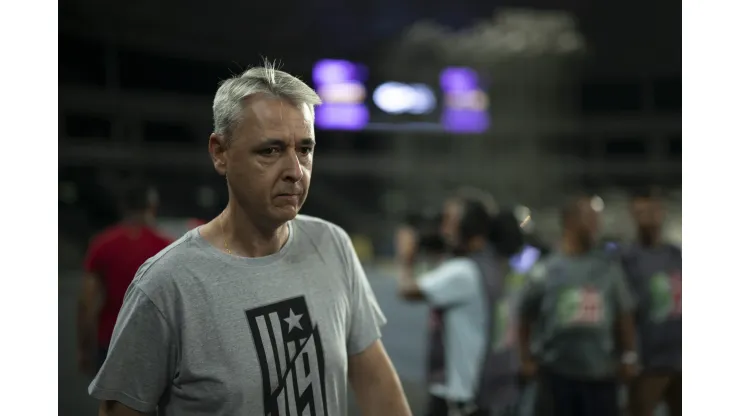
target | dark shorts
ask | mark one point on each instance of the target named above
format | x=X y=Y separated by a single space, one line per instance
x=563 y=396
x=652 y=388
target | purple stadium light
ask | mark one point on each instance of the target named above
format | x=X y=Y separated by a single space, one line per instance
x=522 y=262
x=458 y=79
x=342 y=116
x=465 y=121
x=455 y=80
x=335 y=71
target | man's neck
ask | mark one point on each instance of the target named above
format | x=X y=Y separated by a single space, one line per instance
x=571 y=247
x=476 y=244
x=244 y=237
x=648 y=238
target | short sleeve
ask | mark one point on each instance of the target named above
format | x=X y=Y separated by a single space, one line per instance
x=366 y=316
x=453 y=282
x=533 y=292
x=141 y=357
x=623 y=297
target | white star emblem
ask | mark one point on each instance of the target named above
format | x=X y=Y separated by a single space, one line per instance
x=294 y=321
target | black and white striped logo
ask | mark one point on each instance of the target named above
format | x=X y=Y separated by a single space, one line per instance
x=288 y=346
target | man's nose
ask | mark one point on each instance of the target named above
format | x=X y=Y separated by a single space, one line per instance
x=293 y=170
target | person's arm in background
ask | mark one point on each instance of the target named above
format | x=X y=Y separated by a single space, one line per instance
x=529 y=310
x=406 y=247
x=370 y=372
x=89 y=305
x=624 y=325
x=452 y=282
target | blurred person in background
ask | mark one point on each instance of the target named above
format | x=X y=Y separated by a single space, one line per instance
x=578 y=302
x=110 y=264
x=431 y=246
x=260 y=311
x=653 y=269
x=464 y=374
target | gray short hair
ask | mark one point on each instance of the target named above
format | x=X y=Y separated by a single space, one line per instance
x=227 y=104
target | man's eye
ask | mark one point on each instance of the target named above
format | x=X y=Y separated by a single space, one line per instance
x=306 y=150
x=269 y=151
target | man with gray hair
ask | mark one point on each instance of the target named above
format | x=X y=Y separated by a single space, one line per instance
x=261 y=311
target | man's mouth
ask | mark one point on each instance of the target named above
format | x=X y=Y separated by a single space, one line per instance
x=294 y=198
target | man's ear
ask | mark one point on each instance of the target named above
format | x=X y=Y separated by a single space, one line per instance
x=217 y=149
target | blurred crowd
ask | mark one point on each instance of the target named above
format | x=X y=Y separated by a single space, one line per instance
x=572 y=324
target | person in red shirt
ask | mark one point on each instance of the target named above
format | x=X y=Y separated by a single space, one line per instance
x=111 y=262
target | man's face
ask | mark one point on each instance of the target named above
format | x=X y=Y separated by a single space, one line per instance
x=268 y=162
x=587 y=223
x=450 y=226
x=647 y=213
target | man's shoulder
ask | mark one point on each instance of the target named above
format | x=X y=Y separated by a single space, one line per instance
x=628 y=251
x=316 y=224
x=673 y=249
x=162 y=269
x=324 y=241
x=455 y=269
x=462 y=264
x=544 y=267
x=321 y=231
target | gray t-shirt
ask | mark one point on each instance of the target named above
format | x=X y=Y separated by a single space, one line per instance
x=456 y=287
x=654 y=274
x=202 y=332
x=574 y=302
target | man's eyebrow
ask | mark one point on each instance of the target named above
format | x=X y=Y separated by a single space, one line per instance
x=281 y=143
x=272 y=142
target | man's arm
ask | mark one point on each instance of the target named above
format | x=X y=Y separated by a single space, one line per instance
x=370 y=371
x=524 y=334
x=89 y=304
x=88 y=310
x=376 y=384
x=451 y=283
x=142 y=358
x=625 y=324
x=529 y=308
x=110 y=408
x=625 y=327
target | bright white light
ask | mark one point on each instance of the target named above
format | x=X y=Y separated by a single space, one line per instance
x=521 y=212
x=597 y=204
x=398 y=98
x=393 y=97
x=424 y=101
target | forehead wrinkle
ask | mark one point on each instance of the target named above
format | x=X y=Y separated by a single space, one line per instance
x=284 y=123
